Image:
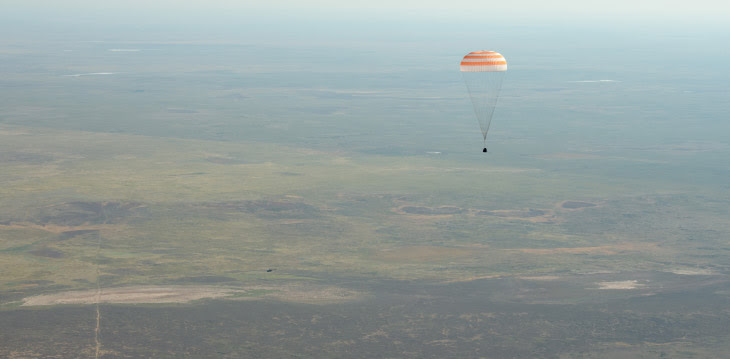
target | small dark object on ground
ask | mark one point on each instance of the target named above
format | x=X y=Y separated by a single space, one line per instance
x=269 y=270
x=484 y=150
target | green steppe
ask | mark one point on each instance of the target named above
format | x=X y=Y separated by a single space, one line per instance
x=345 y=207
x=176 y=209
x=522 y=250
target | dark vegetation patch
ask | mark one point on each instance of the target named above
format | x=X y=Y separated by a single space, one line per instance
x=300 y=230
x=22 y=248
x=83 y=232
x=23 y=157
x=81 y=213
x=268 y=208
x=431 y=210
x=124 y=271
x=108 y=280
x=47 y=252
x=529 y=213
x=577 y=204
x=404 y=320
x=37 y=282
x=28 y=290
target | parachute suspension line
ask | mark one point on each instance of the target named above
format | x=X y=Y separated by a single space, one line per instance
x=484 y=88
x=483 y=72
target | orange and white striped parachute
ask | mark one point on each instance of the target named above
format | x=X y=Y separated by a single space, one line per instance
x=483 y=72
x=483 y=61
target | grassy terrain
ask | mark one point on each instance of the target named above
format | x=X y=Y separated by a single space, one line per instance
x=168 y=209
x=193 y=164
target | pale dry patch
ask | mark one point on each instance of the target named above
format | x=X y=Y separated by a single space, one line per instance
x=23 y=354
x=622 y=285
x=135 y=294
x=293 y=221
x=470 y=279
x=53 y=228
x=622 y=344
x=380 y=333
x=687 y=271
x=476 y=338
x=541 y=278
x=445 y=342
x=297 y=293
x=302 y=293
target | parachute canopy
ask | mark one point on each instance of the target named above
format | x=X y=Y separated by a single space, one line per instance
x=483 y=61
x=483 y=72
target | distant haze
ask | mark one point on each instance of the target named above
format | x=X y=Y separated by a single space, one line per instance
x=700 y=11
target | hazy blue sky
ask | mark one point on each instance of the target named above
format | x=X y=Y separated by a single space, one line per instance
x=648 y=10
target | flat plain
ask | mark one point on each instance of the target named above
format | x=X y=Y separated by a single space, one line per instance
x=214 y=209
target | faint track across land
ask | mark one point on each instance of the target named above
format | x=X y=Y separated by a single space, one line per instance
x=97 y=330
